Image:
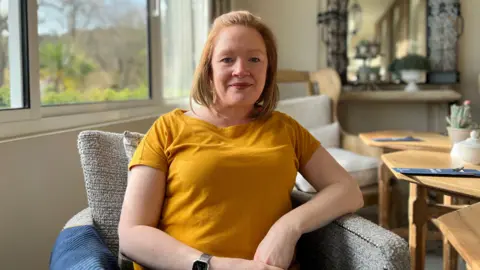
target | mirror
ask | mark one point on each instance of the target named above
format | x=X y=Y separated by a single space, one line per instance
x=380 y=31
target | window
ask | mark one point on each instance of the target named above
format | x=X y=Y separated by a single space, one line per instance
x=185 y=26
x=66 y=63
x=12 y=90
x=92 y=51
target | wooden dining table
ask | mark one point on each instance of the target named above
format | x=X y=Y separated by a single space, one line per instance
x=429 y=141
x=420 y=209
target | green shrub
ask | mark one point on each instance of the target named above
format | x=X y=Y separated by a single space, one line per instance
x=69 y=96
x=94 y=95
x=412 y=62
x=4 y=97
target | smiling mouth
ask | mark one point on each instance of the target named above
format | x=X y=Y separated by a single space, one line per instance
x=241 y=85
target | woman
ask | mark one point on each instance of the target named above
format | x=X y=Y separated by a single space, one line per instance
x=211 y=186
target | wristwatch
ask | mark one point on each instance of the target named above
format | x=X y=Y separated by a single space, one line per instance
x=202 y=263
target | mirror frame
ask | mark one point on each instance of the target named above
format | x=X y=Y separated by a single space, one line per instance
x=444 y=66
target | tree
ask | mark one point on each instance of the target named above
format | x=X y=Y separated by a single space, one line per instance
x=108 y=35
x=59 y=62
x=120 y=47
x=74 y=12
x=3 y=45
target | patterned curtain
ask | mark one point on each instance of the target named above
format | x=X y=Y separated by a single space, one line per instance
x=445 y=25
x=219 y=7
x=334 y=34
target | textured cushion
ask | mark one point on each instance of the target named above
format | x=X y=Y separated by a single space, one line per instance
x=328 y=135
x=310 y=111
x=351 y=242
x=130 y=143
x=354 y=243
x=361 y=168
x=104 y=164
x=303 y=185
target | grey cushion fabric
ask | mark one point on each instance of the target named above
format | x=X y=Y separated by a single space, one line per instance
x=130 y=142
x=82 y=218
x=104 y=164
x=350 y=242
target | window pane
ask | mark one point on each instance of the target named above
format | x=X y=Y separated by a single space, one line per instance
x=184 y=32
x=12 y=93
x=93 y=51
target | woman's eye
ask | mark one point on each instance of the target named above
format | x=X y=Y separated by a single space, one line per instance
x=227 y=60
x=255 y=59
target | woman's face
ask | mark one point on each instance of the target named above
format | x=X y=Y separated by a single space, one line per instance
x=239 y=66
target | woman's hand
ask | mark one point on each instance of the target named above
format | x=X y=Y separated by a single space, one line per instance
x=278 y=246
x=218 y=263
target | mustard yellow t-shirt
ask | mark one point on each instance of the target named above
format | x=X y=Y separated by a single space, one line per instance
x=225 y=186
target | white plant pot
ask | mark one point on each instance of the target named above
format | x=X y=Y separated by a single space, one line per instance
x=458 y=134
x=411 y=77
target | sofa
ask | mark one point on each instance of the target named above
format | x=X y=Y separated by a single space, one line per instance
x=89 y=240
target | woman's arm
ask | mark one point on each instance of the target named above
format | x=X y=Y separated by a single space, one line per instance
x=141 y=241
x=338 y=194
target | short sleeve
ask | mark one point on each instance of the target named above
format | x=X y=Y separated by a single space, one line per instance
x=151 y=149
x=305 y=144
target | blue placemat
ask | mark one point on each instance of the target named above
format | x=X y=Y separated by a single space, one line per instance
x=398 y=139
x=439 y=172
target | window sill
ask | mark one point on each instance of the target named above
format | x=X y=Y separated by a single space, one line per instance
x=53 y=124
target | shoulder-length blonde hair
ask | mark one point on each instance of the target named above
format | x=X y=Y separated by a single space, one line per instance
x=202 y=92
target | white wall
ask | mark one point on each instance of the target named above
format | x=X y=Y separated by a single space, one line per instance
x=41 y=187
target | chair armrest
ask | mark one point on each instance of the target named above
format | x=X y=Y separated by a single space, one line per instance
x=80 y=246
x=354 y=144
x=351 y=242
x=82 y=218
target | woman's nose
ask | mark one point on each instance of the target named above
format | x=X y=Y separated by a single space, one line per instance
x=240 y=68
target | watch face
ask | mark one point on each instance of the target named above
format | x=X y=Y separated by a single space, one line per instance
x=199 y=265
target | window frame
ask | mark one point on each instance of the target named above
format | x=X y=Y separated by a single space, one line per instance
x=18 y=38
x=71 y=115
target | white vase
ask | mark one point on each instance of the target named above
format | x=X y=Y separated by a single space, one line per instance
x=411 y=77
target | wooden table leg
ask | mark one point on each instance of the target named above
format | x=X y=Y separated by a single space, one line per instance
x=384 y=196
x=417 y=224
x=450 y=255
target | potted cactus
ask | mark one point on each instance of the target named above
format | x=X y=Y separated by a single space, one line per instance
x=460 y=122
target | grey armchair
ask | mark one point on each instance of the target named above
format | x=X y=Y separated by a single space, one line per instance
x=350 y=242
